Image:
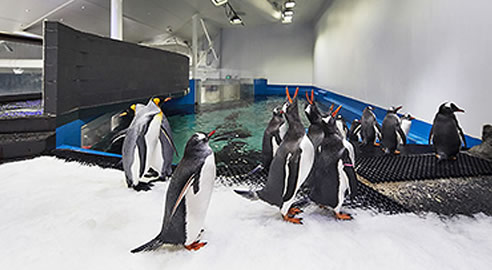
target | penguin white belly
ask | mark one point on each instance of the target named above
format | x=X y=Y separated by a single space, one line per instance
x=283 y=130
x=341 y=129
x=305 y=165
x=151 y=143
x=157 y=158
x=350 y=149
x=197 y=204
x=274 y=146
x=135 y=167
x=343 y=185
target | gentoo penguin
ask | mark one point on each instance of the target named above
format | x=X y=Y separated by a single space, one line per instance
x=333 y=175
x=187 y=197
x=290 y=166
x=406 y=123
x=314 y=115
x=392 y=131
x=342 y=126
x=446 y=133
x=354 y=131
x=271 y=137
x=370 y=128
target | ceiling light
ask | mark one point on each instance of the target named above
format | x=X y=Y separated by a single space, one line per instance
x=235 y=20
x=290 y=4
x=286 y=19
x=219 y=2
x=288 y=12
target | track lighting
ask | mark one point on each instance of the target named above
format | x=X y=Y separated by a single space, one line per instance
x=235 y=20
x=290 y=4
x=288 y=12
x=219 y=2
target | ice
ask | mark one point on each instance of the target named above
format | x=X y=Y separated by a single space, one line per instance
x=58 y=215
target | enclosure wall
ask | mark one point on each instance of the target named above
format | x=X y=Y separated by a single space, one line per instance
x=281 y=53
x=84 y=71
x=416 y=53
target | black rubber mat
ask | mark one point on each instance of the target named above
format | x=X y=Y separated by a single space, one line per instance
x=390 y=168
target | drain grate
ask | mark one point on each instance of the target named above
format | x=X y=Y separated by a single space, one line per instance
x=387 y=168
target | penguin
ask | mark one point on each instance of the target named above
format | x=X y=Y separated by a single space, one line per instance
x=113 y=141
x=354 y=135
x=272 y=136
x=342 y=126
x=406 y=123
x=140 y=144
x=333 y=175
x=290 y=166
x=370 y=129
x=392 y=131
x=446 y=134
x=163 y=153
x=187 y=197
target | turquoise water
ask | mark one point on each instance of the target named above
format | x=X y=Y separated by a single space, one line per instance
x=244 y=124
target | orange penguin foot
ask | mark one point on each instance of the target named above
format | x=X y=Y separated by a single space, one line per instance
x=397 y=152
x=294 y=211
x=292 y=219
x=453 y=158
x=438 y=156
x=343 y=216
x=377 y=144
x=195 y=245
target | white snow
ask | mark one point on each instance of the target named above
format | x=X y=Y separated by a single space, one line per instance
x=57 y=215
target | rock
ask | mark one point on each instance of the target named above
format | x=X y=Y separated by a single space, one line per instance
x=484 y=150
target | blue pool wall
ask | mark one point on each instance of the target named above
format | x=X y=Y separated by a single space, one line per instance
x=351 y=108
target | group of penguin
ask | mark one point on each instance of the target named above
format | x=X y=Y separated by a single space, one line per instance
x=320 y=162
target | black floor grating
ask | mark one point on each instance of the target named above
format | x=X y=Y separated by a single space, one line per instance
x=389 y=168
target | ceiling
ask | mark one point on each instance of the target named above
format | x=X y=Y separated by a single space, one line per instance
x=143 y=20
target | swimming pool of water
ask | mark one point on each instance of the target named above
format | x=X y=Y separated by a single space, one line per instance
x=239 y=125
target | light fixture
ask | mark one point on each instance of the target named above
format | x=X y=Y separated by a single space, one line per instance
x=286 y=19
x=288 y=12
x=219 y=2
x=235 y=20
x=290 y=4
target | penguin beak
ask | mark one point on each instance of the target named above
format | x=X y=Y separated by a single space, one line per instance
x=123 y=114
x=288 y=95
x=167 y=99
x=398 y=108
x=211 y=133
x=333 y=114
x=156 y=101
x=281 y=112
x=459 y=110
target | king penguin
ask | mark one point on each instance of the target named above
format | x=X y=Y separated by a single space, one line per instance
x=187 y=197
x=290 y=166
x=333 y=175
x=370 y=128
x=163 y=153
x=140 y=144
x=272 y=137
x=392 y=131
x=446 y=133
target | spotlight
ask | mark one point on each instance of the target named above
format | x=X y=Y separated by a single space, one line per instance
x=219 y=2
x=286 y=19
x=288 y=12
x=235 y=20
x=290 y=4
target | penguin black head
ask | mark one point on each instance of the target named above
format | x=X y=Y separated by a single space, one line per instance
x=311 y=110
x=407 y=116
x=329 y=122
x=394 y=109
x=449 y=108
x=290 y=106
x=277 y=111
x=198 y=143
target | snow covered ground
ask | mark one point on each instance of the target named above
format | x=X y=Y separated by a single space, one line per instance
x=57 y=215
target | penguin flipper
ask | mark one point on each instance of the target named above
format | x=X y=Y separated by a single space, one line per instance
x=149 y=246
x=169 y=140
x=402 y=134
x=431 y=134
x=462 y=135
x=276 y=134
x=248 y=194
x=349 y=170
x=293 y=163
x=192 y=181
x=378 y=131
x=142 y=153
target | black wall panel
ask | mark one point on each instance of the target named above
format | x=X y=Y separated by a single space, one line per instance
x=83 y=71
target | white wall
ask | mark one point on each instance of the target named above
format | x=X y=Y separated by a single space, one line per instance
x=418 y=53
x=281 y=53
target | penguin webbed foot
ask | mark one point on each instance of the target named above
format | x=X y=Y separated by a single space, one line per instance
x=343 y=216
x=195 y=246
x=292 y=219
x=294 y=211
x=141 y=186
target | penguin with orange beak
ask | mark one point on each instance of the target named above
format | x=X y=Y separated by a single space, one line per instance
x=290 y=166
x=446 y=133
x=187 y=197
x=392 y=132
